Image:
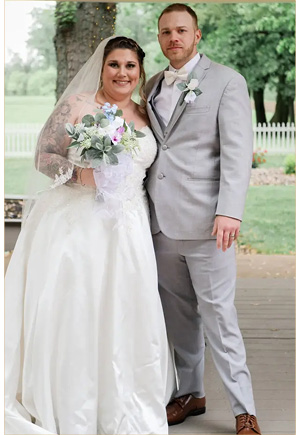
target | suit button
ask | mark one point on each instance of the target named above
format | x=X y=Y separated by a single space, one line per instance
x=165 y=147
x=160 y=176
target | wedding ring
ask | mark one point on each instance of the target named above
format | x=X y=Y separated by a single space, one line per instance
x=231 y=235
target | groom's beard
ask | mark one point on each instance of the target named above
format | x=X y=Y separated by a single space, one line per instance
x=183 y=55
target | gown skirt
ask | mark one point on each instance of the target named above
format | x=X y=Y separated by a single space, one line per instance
x=86 y=344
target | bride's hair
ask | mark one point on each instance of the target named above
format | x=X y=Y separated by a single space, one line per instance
x=127 y=43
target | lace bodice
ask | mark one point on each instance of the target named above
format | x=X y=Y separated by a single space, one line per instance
x=131 y=192
x=142 y=160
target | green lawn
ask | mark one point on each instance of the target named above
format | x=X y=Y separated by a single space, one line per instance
x=36 y=109
x=269 y=220
x=16 y=175
x=274 y=161
x=27 y=109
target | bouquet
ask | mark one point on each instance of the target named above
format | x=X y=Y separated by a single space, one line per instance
x=103 y=136
x=108 y=144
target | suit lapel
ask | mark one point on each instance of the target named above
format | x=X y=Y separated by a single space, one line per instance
x=200 y=70
x=153 y=116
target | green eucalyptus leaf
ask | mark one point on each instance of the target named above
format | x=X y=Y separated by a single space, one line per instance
x=95 y=162
x=104 y=122
x=113 y=159
x=131 y=125
x=119 y=112
x=99 y=116
x=88 y=120
x=107 y=141
x=181 y=86
x=99 y=146
x=73 y=144
x=197 y=91
x=70 y=129
x=91 y=153
x=95 y=139
x=106 y=159
x=138 y=133
x=117 y=148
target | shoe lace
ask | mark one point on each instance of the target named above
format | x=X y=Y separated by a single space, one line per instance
x=248 y=421
x=180 y=401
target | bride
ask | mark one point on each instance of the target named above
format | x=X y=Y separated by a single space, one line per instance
x=86 y=345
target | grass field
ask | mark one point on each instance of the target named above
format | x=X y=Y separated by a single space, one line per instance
x=17 y=172
x=16 y=175
x=23 y=109
x=274 y=161
x=269 y=220
x=31 y=109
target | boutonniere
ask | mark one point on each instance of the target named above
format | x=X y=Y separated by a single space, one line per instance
x=189 y=88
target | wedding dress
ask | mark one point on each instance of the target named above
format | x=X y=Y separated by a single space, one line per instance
x=86 y=345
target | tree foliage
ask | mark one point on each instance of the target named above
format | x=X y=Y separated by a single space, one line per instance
x=23 y=76
x=259 y=41
x=17 y=83
x=256 y=39
x=40 y=41
x=42 y=82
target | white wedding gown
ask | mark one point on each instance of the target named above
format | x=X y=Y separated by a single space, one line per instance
x=86 y=345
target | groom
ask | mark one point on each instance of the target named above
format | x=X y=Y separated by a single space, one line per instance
x=200 y=114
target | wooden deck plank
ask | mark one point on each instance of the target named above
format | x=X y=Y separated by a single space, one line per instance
x=266 y=311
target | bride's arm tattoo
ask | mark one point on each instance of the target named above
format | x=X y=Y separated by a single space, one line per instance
x=51 y=154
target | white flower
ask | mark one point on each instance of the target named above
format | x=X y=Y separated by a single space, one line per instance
x=192 y=84
x=111 y=128
x=190 y=97
x=117 y=122
x=190 y=89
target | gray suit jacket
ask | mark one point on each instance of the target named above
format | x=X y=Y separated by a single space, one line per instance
x=204 y=154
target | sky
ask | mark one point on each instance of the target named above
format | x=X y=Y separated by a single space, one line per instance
x=17 y=23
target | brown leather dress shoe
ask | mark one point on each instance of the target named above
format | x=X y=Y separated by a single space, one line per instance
x=182 y=407
x=247 y=424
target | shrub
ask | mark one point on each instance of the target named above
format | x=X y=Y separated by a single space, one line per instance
x=258 y=158
x=290 y=164
x=42 y=82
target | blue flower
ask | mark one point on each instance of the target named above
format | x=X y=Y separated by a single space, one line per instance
x=109 y=111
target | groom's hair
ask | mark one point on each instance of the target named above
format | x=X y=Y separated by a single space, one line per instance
x=180 y=7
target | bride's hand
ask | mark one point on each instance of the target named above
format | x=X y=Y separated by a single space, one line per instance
x=86 y=178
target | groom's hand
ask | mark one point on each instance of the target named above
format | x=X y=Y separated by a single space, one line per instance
x=227 y=230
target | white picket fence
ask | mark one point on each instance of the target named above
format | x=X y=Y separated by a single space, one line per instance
x=275 y=138
x=20 y=139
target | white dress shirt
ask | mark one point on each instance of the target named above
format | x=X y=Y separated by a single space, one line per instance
x=166 y=100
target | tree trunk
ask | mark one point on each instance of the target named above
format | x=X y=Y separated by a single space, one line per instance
x=258 y=97
x=291 y=110
x=281 y=110
x=78 y=33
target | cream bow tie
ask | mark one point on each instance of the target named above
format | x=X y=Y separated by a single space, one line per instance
x=171 y=76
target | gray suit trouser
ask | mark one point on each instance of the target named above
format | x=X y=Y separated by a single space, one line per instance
x=197 y=288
